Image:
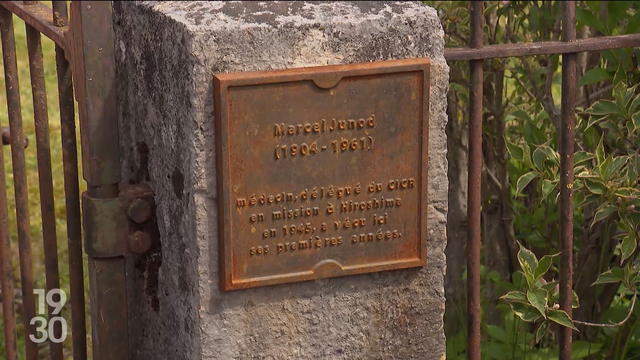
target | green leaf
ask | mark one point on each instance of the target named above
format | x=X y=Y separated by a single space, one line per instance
x=534 y=19
x=538 y=298
x=628 y=246
x=551 y=154
x=490 y=8
x=586 y=17
x=526 y=155
x=619 y=77
x=523 y=181
x=497 y=332
x=595 y=186
x=603 y=212
x=457 y=87
x=560 y=317
x=610 y=276
x=525 y=311
x=594 y=76
x=515 y=151
x=633 y=26
x=630 y=274
x=604 y=107
x=591 y=198
x=615 y=166
x=594 y=120
x=582 y=169
x=582 y=349
x=600 y=151
x=627 y=97
x=594 y=5
x=550 y=286
x=634 y=279
x=636 y=119
x=635 y=105
x=582 y=157
x=547 y=187
x=627 y=192
x=514 y=296
x=575 y=301
x=542 y=330
x=603 y=168
x=538 y=158
x=520 y=114
x=527 y=259
x=543 y=266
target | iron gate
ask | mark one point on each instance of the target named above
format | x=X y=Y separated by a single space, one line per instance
x=476 y=54
x=84 y=56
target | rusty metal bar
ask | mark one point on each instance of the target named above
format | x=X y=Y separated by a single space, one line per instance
x=568 y=109
x=45 y=177
x=542 y=48
x=60 y=16
x=71 y=190
x=108 y=308
x=94 y=69
x=93 y=63
x=19 y=177
x=39 y=16
x=474 y=186
x=6 y=277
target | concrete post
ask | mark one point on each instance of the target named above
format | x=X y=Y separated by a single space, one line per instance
x=167 y=54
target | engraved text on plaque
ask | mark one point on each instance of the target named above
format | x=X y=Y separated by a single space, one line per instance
x=322 y=171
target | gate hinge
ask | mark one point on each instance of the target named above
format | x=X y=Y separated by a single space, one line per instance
x=117 y=226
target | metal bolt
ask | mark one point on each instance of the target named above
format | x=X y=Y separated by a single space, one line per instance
x=139 y=211
x=6 y=137
x=139 y=242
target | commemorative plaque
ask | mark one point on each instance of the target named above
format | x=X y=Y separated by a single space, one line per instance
x=322 y=171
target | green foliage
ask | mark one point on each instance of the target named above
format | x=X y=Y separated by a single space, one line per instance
x=601 y=178
x=536 y=303
x=605 y=186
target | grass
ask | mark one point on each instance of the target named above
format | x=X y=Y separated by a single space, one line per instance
x=32 y=182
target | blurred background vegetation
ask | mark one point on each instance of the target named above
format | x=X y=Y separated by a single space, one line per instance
x=26 y=102
x=520 y=184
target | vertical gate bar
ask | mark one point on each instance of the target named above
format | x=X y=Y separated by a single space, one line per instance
x=568 y=109
x=94 y=77
x=6 y=278
x=72 y=202
x=45 y=177
x=474 y=192
x=71 y=190
x=60 y=16
x=19 y=178
x=95 y=63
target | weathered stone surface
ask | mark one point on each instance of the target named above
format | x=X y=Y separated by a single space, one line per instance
x=167 y=53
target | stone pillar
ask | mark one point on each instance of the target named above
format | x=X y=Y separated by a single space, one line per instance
x=167 y=54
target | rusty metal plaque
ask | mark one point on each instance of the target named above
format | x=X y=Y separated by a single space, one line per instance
x=322 y=171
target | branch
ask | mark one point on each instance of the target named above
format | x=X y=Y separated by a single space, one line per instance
x=596 y=94
x=493 y=178
x=546 y=101
x=526 y=89
x=611 y=325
